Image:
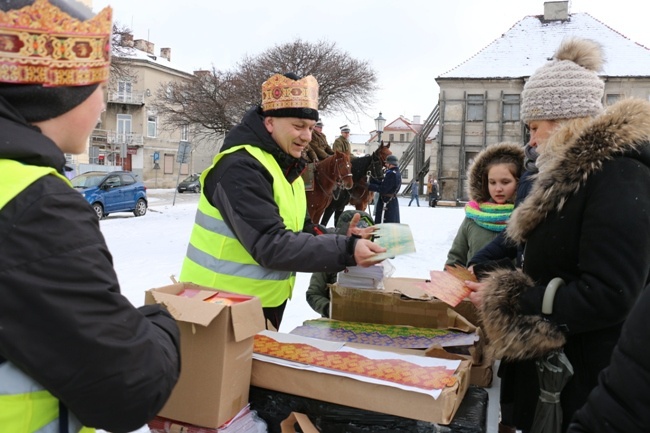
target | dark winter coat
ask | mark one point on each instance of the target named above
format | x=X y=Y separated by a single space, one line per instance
x=387 y=202
x=620 y=402
x=242 y=189
x=587 y=221
x=63 y=320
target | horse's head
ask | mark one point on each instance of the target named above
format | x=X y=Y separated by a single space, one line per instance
x=343 y=170
x=379 y=159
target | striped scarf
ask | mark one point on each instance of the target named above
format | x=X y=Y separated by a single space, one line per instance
x=491 y=216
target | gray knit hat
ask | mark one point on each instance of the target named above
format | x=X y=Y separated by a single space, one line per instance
x=568 y=86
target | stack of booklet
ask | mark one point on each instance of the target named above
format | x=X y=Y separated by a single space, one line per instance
x=361 y=278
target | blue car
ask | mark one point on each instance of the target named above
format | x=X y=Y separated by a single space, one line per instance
x=117 y=191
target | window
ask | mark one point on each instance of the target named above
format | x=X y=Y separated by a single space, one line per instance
x=475 y=105
x=152 y=123
x=510 y=108
x=168 y=164
x=611 y=99
x=185 y=133
x=124 y=91
x=391 y=137
x=401 y=138
x=123 y=128
x=127 y=179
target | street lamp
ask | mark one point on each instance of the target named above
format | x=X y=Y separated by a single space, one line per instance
x=379 y=126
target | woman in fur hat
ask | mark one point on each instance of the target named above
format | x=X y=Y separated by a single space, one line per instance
x=586 y=225
x=73 y=350
x=492 y=184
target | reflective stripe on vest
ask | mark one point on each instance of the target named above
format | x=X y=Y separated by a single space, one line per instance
x=25 y=406
x=215 y=257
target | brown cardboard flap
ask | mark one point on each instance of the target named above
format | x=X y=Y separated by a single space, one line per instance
x=247 y=319
x=288 y=425
x=188 y=309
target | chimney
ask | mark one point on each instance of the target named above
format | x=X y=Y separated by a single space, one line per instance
x=203 y=73
x=166 y=53
x=126 y=40
x=417 y=120
x=144 y=45
x=556 y=11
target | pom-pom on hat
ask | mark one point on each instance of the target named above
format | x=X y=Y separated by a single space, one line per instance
x=568 y=86
x=290 y=96
x=345 y=128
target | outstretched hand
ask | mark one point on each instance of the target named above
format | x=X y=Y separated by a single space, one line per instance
x=365 y=250
x=364 y=233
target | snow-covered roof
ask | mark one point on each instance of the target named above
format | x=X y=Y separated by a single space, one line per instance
x=531 y=42
x=136 y=54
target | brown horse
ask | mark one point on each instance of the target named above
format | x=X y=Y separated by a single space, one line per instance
x=362 y=168
x=329 y=173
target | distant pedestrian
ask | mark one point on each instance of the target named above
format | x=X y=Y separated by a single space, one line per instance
x=433 y=193
x=414 y=193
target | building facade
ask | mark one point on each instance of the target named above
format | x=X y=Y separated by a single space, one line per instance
x=479 y=100
x=131 y=135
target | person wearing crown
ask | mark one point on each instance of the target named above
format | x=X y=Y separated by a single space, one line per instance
x=74 y=352
x=252 y=233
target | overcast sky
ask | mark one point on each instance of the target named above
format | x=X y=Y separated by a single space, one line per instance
x=408 y=46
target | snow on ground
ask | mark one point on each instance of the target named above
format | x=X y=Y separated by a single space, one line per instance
x=147 y=251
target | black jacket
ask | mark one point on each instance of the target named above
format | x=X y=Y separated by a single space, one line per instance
x=587 y=221
x=242 y=189
x=63 y=320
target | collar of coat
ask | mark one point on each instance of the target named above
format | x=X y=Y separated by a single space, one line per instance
x=571 y=156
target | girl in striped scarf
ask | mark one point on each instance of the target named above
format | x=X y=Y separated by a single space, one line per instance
x=492 y=184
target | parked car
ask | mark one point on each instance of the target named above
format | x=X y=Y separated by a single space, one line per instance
x=190 y=183
x=117 y=191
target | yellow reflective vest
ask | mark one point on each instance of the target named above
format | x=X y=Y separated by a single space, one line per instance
x=215 y=257
x=25 y=406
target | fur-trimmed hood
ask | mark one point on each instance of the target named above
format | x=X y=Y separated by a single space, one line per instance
x=570 y=158
x=508 y=152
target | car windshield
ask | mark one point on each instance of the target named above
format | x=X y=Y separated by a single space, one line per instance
x=192 y=178
x=87 y=180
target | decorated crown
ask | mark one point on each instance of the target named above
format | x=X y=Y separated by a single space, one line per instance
x=280 y=92
x=41 y=44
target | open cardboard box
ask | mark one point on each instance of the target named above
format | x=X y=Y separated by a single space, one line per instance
x=390 y=307
x=216 y=353
x=363 y=395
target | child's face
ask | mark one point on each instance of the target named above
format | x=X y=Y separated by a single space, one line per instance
x=502 y=185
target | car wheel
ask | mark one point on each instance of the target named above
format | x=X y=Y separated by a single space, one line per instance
x=99 y=210
x=179 y=190
x=140 y=208
x=197 y=189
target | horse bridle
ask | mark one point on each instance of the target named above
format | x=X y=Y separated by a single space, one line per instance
x=375 y=162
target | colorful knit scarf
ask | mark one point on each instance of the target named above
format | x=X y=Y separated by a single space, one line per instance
x=488 y=215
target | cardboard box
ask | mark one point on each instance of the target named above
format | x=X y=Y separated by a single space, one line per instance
x=216 y=354
x=481 y=373
x=363 y=395
x=408 y=288
x=392 y=306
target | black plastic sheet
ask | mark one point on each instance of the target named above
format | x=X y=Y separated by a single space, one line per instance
x=273 y=407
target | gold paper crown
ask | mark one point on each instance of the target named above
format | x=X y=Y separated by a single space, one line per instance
x=41 y=44
x=280 y=92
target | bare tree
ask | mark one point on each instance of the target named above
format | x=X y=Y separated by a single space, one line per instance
x=213 y=101
x=208 y=103
x=120 y=69
x=345 y=83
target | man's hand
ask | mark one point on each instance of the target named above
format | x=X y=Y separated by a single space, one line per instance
x=364 y=233
x=364 y=251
